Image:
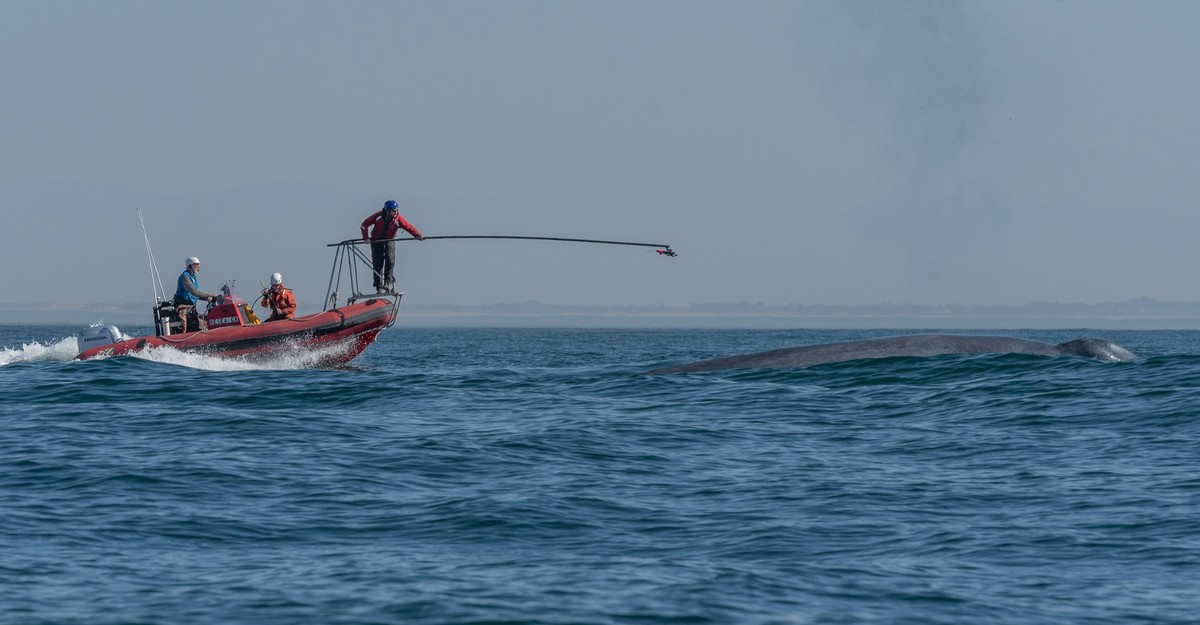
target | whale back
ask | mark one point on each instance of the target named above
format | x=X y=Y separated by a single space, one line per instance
x=1099 y=349
x=918 y=345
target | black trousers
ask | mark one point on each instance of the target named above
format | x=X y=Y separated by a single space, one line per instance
x=383 y=262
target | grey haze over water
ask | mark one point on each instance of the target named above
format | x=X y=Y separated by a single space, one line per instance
x=1134 y=314
x=793 y=153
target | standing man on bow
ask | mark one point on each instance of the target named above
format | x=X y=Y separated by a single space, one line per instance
x=384 y=225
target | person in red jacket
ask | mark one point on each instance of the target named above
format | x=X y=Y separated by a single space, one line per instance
x=384 y=225
x=279 y=299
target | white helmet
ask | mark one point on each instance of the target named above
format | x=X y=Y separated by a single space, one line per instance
x=276 y=279
x=191 y=260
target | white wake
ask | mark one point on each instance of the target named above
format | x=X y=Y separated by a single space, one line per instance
x=61 y=351
x=291 y=358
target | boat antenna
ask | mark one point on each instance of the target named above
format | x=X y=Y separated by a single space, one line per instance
x=663 y=248
x=160 y=293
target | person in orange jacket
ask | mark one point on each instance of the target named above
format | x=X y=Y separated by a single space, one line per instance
x=384 y=225
x=279 y=299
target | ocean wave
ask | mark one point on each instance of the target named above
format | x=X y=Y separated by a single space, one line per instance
x=468 y=475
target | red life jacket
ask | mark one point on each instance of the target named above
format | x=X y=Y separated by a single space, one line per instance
x=282 y=303
x=384 y=228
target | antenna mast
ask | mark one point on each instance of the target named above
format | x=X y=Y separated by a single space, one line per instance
x=160 y=293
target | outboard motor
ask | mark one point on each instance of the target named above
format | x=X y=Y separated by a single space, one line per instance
x=97 y=336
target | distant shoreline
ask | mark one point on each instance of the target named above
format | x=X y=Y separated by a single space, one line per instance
x=1139 y=314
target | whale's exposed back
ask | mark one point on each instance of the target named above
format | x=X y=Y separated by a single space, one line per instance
x=909 y=345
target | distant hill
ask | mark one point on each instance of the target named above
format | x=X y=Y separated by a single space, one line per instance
x=1130 y=314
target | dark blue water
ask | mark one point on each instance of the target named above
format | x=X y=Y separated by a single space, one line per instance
x=533 y=476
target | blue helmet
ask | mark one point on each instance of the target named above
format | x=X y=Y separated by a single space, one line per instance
x=391 y=205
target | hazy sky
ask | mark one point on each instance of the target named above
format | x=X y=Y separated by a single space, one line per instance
x=792 y=152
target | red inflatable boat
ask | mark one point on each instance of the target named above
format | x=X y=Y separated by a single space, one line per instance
x=230 y=329
x=341 y=334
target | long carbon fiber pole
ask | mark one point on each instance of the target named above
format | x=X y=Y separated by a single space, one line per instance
x=665 y=249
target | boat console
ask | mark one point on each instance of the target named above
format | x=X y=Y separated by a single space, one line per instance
x=227 y=310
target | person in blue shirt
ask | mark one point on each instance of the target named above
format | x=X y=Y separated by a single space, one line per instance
x=188 y=294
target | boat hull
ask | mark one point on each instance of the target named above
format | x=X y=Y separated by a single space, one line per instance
x=340 y=335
